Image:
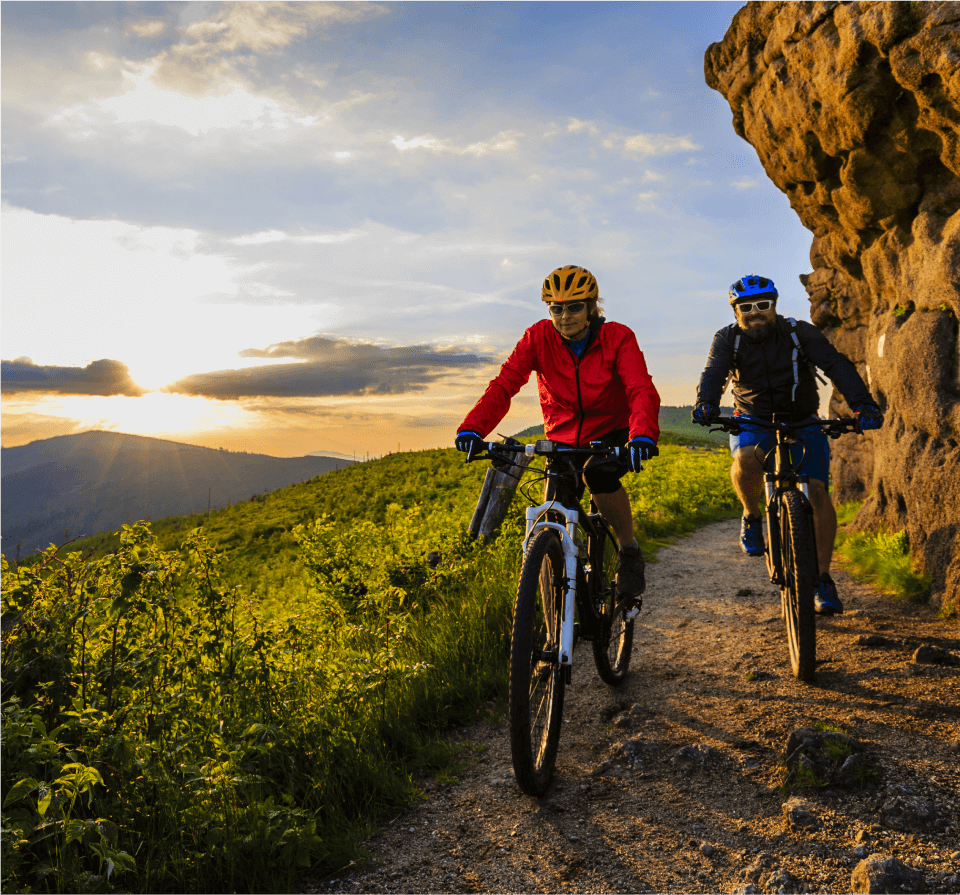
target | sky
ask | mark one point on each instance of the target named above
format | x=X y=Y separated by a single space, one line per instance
x=293 y=228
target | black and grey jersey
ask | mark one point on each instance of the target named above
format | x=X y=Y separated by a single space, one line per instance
x=777 y=375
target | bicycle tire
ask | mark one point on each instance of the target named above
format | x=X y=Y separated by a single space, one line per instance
x=799 y=552
x=614 y=647
x=537 y=687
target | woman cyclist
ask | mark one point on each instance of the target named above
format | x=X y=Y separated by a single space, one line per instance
x=594 y=386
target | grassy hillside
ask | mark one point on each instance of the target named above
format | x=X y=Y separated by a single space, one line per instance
x=211 y=707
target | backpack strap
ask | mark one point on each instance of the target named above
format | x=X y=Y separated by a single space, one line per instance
x=735 y=365
x=800 y=354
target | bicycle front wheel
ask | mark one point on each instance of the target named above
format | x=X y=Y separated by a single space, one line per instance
x=614 y=647
x=799 y=552
x=536 y=677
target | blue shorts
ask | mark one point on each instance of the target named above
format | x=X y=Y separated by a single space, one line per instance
x=815 y=441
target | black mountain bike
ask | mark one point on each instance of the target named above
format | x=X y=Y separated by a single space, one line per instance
x=791 y=548
x=566 y=593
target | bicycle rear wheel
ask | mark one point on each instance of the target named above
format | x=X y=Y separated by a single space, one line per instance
x=536 y=677
x=799 y=552
x=614 y=647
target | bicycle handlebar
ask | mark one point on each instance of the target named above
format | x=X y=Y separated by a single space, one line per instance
x=495 y=449
x=734 y=425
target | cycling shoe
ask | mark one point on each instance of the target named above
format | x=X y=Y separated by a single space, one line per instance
x=630 y=571
x=751 y=536
x=826 y=601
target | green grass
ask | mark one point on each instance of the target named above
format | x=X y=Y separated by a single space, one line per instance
x=882 y=559
x=215 y=703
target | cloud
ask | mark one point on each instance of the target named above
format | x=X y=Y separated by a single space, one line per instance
x=148 y=103
x=148 y=29
x=325 y=367
x=649 y=144
x=216 y=49
x=265 y=236
x=100 y=377
x=575 y=126
x=745 y=183
x=502 y=142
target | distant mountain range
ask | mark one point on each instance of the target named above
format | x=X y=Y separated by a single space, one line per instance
x=73 y=485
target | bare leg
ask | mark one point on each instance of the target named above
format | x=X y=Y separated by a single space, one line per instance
x=616 y=512
x=824 y=523
x=746 y=473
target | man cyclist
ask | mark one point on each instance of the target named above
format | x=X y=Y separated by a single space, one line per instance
x=772 y=361
x=594 y=386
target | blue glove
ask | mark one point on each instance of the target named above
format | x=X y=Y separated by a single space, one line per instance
x=641 y=449
x=704 y=414
x=868 y=417
x=470 y=443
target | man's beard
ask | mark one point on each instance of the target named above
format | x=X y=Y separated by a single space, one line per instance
x=759 y=332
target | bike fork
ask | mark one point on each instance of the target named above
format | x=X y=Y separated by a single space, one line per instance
x=570 y=553
x=774 y=566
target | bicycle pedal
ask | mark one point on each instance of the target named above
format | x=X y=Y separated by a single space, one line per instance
x=631 y=614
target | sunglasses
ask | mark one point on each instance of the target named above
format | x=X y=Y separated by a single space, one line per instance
x=574 y=307
x=747 y=306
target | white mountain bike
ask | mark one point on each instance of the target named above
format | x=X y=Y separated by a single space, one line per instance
x=566 y=593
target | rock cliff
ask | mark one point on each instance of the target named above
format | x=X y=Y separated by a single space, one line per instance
x=854 y=111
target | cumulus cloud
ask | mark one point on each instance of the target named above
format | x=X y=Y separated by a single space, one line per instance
x=100 y=377
x=649 y=144
x=215 y=48
x=502 y=142
x=265 y=236
x=575 y=126
x=325 y=367
x=148 y=28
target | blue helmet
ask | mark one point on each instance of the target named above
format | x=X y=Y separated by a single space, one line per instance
x=752 y=286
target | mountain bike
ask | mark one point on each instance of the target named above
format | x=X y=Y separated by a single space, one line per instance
x=791 y=547
x=566 y=593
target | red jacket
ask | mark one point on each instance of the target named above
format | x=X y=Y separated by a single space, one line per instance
x=606 y=388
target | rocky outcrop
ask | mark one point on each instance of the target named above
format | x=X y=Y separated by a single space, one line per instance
x=854 y=111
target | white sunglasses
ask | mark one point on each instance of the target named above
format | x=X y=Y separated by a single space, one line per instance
x=748 y=306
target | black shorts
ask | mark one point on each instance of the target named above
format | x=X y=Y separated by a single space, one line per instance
x=605 y=478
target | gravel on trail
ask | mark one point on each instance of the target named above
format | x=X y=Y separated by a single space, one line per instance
x=674 y=782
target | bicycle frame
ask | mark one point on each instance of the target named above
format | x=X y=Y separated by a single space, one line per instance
x=573 y=517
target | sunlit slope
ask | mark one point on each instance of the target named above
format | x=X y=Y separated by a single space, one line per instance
x=254 y=536
x=682 y=487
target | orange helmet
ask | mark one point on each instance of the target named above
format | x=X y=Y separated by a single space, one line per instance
x=570 y=283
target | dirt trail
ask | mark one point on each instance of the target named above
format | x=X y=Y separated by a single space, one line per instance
x=627 y=812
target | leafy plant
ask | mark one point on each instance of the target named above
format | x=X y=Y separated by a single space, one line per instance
x=215 y=703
